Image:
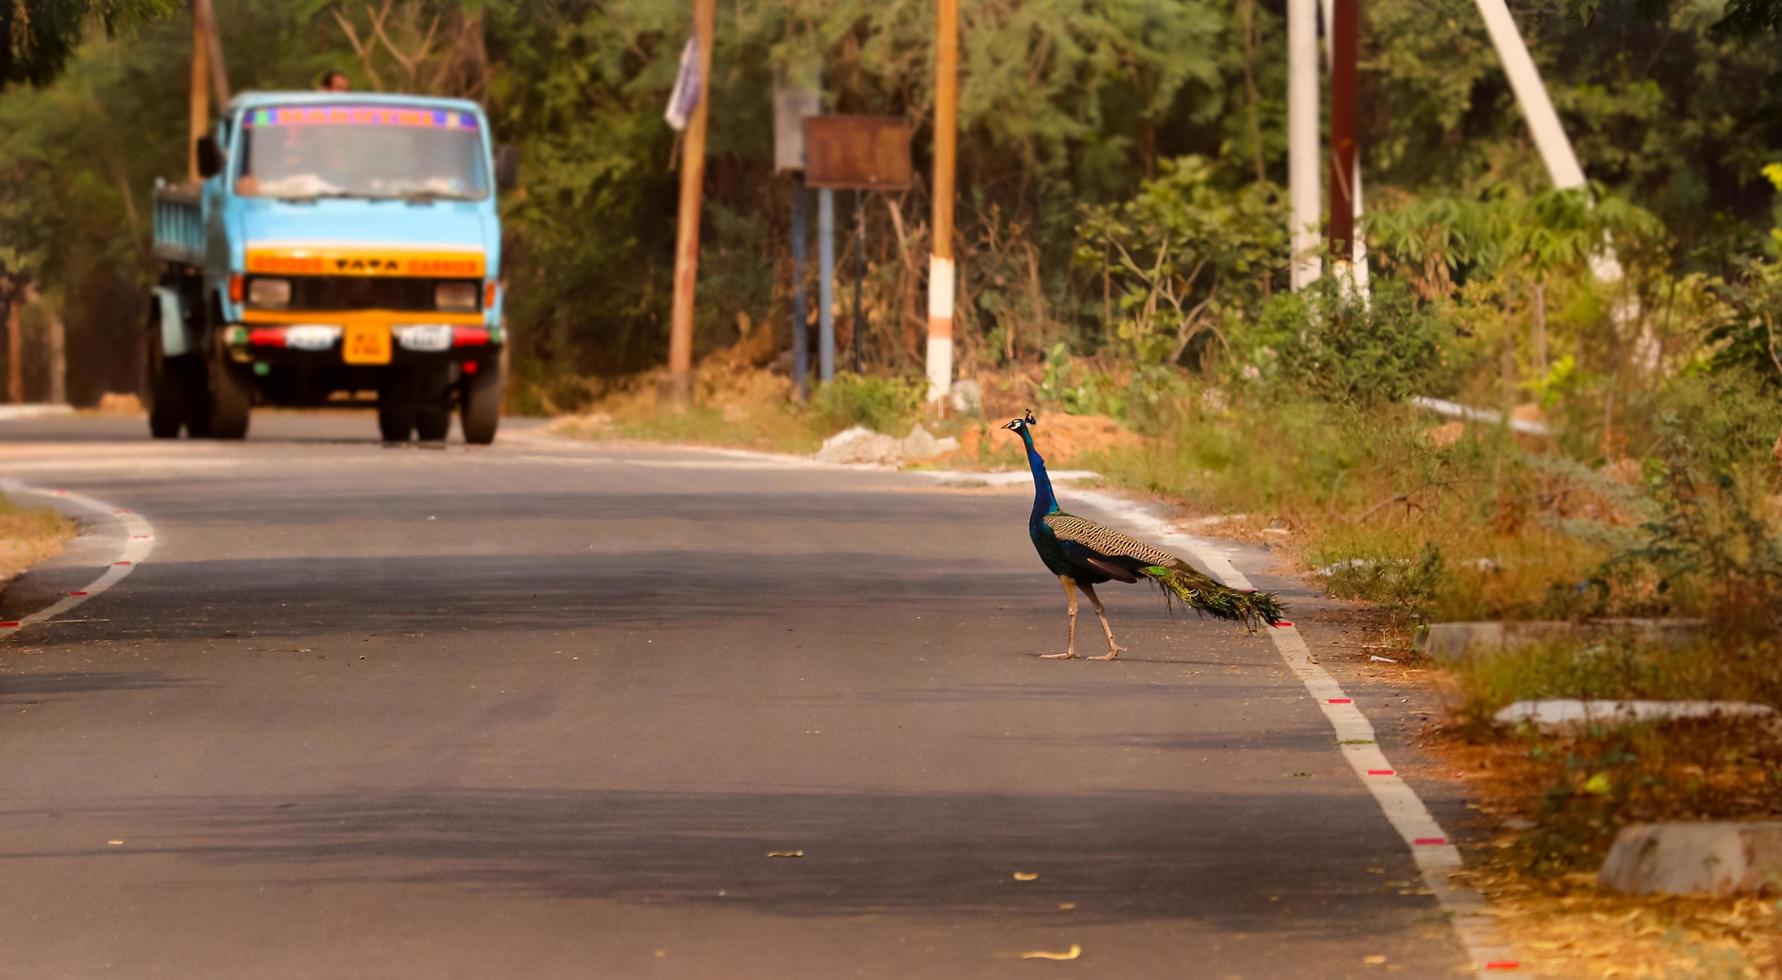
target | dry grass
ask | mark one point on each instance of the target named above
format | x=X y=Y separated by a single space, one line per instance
x=1557 y=803
x=28 y=536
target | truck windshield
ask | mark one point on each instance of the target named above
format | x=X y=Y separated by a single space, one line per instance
x=370 y=151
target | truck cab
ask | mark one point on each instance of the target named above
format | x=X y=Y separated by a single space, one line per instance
x=339 y=244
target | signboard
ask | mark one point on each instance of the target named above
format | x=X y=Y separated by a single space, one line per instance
x=859 y=152
x=791 y=107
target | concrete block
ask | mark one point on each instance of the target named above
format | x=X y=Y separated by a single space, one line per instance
x=1719 y=858
x=1570 y=712
x=1459 y=641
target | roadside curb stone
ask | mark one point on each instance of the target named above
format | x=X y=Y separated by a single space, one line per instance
x=1565 y=712
x=1720 y=858
x=1448 y=642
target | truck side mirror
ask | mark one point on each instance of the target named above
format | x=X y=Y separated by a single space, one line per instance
x=507 y=167
x=210 y=157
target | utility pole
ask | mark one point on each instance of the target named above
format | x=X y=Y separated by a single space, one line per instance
x=1342 y=139
x=198 y=114
x=686 y=242
x=1303 y=159
x=206 y=17
x=1531 y=95
x=940 y=259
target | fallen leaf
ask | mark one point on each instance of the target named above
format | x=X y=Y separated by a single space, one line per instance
x=785 y=854
x=1070 y=954
x=1025 y=875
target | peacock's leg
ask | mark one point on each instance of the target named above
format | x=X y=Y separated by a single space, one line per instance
x=1102 y=614
x=1070 y=647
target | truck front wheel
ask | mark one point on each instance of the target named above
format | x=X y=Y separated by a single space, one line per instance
x=231 y=397
x=433 y=403
x=396 y=406
x=479 y=410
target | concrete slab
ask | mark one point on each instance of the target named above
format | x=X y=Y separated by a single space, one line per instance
x=1564 y=712
x=1458 y=641
x=1720 y=858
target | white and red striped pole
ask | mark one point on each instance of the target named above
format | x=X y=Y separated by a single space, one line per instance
x=940 y=261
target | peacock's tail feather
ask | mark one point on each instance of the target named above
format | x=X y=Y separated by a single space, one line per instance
x=1221 y=602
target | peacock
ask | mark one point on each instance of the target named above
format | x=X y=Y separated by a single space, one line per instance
x=1084 y=554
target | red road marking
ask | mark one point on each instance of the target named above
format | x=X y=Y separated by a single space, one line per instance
x=120 y=563
x=1381 y=772
x=83 y=592
x=1339 y=700
x=11 y=624
x=1503 y=965
x=141 y=537
x=1281 y=623
x=1430 y=841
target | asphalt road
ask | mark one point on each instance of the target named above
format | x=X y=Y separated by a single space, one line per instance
x=544 y=709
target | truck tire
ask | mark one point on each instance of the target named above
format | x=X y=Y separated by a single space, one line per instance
x=479 y=409
x=396 y=407
x=164 y=387
x=231 y=397
x=433 y=403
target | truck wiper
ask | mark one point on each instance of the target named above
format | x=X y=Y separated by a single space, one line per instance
x=428 y=197
x=312 y=198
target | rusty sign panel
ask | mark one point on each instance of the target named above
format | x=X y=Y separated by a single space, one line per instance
x=861 y=152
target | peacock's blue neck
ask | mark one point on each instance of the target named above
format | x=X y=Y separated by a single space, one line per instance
x=1044 y=502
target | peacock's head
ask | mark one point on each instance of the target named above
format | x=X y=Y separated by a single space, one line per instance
x=1017 y=425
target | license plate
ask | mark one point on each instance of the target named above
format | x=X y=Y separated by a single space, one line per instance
x=366 y=344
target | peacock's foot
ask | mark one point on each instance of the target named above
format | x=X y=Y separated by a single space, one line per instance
x=1066 y=655
x=1113 y=653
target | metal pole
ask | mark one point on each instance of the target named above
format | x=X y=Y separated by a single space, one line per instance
x=1302 y=139
x=801 y=339
x=940 y=261
x=825 y=284
x=1342 y=135
x=1358 y=269
x=686 y=244
x=859 y=273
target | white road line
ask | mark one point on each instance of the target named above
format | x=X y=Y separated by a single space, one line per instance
x=1435 y=854
x=139 y=541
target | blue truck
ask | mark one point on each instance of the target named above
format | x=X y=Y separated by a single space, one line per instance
x=338 y=245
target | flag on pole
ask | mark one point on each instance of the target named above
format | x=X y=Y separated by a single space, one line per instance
x=685 y=97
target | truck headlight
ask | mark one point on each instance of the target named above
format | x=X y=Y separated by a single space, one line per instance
x=455 y=296
x=269 y=292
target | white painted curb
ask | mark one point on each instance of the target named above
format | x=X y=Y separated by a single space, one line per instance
x=139 y=541
x=15 y=413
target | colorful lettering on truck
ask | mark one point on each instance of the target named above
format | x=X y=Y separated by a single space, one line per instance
x=338 y=244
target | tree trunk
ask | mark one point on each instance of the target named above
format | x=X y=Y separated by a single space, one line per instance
x=12 y=302
x=55 y=348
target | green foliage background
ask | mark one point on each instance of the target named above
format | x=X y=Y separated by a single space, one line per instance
x=1068 y=108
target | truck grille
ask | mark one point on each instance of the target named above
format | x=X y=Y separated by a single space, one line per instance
x=326 y=293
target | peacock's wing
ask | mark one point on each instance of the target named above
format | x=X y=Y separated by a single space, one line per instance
x=1111 y=547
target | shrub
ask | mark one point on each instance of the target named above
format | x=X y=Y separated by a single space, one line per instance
x=1333 y=346
x=883 y=404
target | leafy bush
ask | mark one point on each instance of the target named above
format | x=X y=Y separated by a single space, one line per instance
x=882 y=404
x=1714 y=546
x=1333 y=346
